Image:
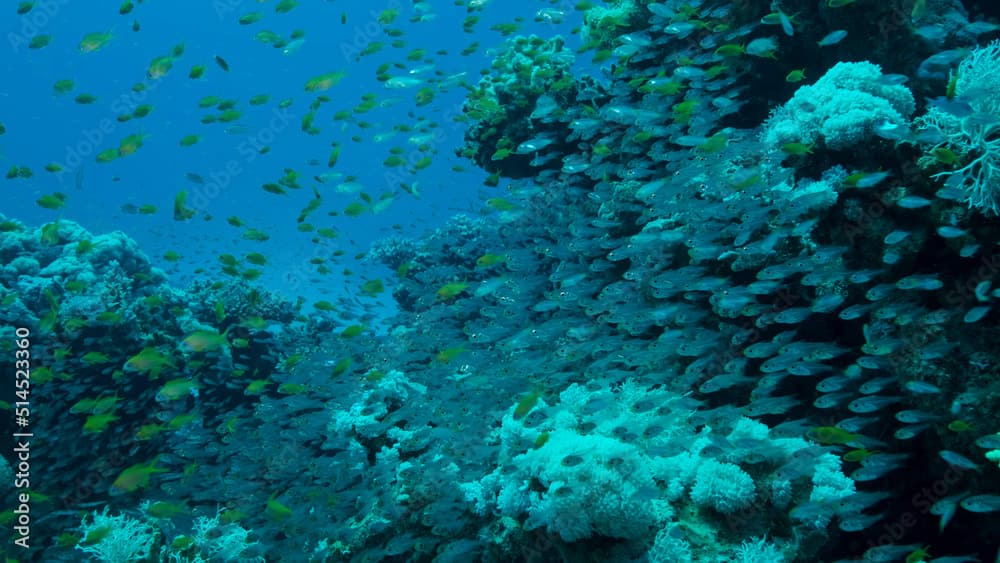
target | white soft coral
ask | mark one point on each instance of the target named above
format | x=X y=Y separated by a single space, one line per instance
x=117 y=539
x=972 y=135
x=841 y=108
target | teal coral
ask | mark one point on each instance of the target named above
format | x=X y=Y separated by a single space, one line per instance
x=593 y=473
x=117 y=538
x=603 y=25
x=501 y=106
x=126 y=539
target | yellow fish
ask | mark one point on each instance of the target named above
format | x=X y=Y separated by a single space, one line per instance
x=525 y=404
x=136 y=477
x=797 y=75
x=177 y=389
x=449 y=354
x=94 y=41
x=500 y=204
x=324 y=82
x=180 y=420
x=104 y=405
x=165 y=509
x=96 y=358
x=83 y=405
x=832 y=435
x=256 y=387
x=451 y=290
x=352 y=331
x=149 y=360
x=98 y=422
x=148 y=431
x=275 y=510
x=487 y=260
x=204 y=341
x=291 y=388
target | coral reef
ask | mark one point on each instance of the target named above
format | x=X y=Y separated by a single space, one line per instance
x=692 y=328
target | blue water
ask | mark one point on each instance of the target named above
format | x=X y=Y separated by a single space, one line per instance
x=55 y=129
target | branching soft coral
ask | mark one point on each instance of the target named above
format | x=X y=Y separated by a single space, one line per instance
x=968 y=127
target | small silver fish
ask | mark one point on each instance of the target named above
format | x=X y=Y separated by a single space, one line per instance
x=832 y=38
x=981 y=503
x=958 y=460
x=921 y=388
